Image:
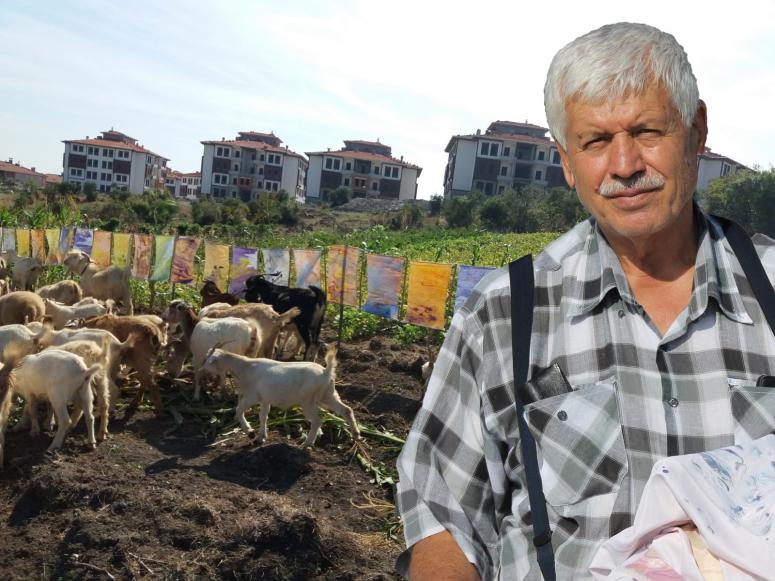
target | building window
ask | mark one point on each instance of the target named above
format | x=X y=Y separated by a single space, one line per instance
x=333 y=163
x=76 y=172
x=347 y=182
x=261 y=171
x=479 y=186
x=501 y=188
x=504 y=170
x=90 y=151
x=236 y=153
x=77 y=148
x=539 y=175
x=556 y=158
x=540 y=156
x=374 y=186
x=107 y=165
x=122 y=154
x=348 y=166
x=147 y=183
x=506 y=151
x=359 y=183
x=376 y=170
x=102 y=188
x=489 y=149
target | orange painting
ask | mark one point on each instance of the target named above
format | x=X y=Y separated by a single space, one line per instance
x=335 y=274
x=427 y=289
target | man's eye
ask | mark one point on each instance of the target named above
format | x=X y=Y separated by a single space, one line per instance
x=594 y=142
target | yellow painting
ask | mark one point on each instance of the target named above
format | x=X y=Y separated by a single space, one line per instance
x=100 y=250
x=121 y=249
x=38 y=245
x=22 y=242
x=217 y=264
x=141 y=263
x=427 y=289
x=52 y=240
x=343 y=282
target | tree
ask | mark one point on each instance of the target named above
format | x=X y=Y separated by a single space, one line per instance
x=746 y=197
x=90 y=191
x=340 y=196
x=461 y=211
x=435 y=204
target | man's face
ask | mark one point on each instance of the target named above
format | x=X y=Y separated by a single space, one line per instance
x=633 y=162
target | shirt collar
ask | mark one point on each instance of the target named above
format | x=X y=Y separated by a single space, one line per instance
x=601 y=272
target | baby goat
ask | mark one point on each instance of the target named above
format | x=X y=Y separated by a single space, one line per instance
x=282 y=384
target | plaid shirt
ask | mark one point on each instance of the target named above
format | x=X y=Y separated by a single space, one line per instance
x=638 y=397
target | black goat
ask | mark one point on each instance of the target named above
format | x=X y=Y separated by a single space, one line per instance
x=312 y=302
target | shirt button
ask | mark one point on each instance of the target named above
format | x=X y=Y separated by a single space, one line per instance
x=562 y=415
x=620 y=312
x=672 y=402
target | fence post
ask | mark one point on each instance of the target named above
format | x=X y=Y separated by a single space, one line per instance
x=341 y=300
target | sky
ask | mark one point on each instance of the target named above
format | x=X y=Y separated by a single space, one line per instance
x=410 y=73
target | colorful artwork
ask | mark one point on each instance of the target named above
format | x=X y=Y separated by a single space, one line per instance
x=83 y=240
x=428 y=286
x=141 y=261
x=467 y=278
x=217 y=264
x=183 y=259
x=244 y=264
x=121 y=249
x=9 y=240
x=277 y=260
x=22 y=242
x=336 y=275
x=52 y=241
x=162 y=259
x=100 y=251
x=307 y=268
x=384 y=275
x=66 y=236
x=38 y=245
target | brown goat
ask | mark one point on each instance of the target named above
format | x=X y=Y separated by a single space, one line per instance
x=21 y=307
x=147 y=341
x=212 y=294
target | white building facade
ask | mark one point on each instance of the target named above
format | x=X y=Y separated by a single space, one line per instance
x=711 y=166
x=112 y=162
x=366 y=167
x=183 y=185
x=507 y=155
x=252 y=163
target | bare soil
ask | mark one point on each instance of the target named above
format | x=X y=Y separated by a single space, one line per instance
x=190 y=497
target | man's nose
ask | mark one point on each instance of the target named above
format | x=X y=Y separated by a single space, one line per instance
x=625 y=157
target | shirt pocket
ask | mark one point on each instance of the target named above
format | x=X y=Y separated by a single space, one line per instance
x=753 y=409
x=579 y=438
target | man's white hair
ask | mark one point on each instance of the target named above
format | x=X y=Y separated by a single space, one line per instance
x=615 y=61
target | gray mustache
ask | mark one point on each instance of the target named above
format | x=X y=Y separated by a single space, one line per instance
x=642 y=182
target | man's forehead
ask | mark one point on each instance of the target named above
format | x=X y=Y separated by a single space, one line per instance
x=651 y=103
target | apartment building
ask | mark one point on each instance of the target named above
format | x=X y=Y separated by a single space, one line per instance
x=113 y=161
x=251 y=163
x=506 y=155
x=711 y=166
x=368 y=168
x=183 y=185
x=15 y=173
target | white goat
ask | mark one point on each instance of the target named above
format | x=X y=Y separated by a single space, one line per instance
x=282 y=384
x=67 y=292
x=26 y=271
x=32 y=378
x=92 y=354
x=204 y=311
x=61 y=314
x=20 y=334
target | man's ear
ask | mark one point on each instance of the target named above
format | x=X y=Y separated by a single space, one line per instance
x=566 y=167
x=700 y=126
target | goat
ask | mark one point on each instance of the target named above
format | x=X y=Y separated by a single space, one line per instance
x=141 y=356
x=198 y=336
x=62 y=314
x=66 y=292
x=212 y=294
x=204 y=311
x=105 y=283
x=268 y=322
x=26 y=271
x=92 y=354
x=21 y=307
x=311 y=301
x=31 y=377
x=19 y=334
x=282 y=384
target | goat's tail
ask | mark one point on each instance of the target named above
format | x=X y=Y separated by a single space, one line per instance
x=44 y=337
x=286 y=317
x=253 y=345
x=124 y=347
x=12 y=356
x=331 y=364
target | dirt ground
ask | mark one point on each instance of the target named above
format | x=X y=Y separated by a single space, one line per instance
x=190 y=497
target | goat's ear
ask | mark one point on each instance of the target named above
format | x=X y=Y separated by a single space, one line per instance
x=155 y=342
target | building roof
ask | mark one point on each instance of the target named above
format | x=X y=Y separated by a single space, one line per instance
x=193 y=174
x=501 y=137
x=712 y=155
x=119 y=134
x=53 y=178
x=114 y=145
x=6 y=166
x=368 y=157
x=525 y=125
x=364 y=142
x=255 y=145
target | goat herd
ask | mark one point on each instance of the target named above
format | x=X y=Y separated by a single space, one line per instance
x=65 y=345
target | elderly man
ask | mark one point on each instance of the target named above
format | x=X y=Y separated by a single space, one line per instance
x=644 y=307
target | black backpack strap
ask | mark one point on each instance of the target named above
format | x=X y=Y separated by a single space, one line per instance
x=522 y=287
x=752 y=267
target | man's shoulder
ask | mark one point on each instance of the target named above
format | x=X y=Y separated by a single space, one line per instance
x=765 y=248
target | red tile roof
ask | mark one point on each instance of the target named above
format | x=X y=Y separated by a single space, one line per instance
x=254 y=145
x=53 y=178
x=363 y=142
x=13 y=168
x=516 y=124
x=114 y=145
x=348 y=153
